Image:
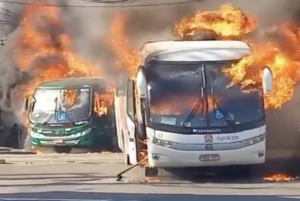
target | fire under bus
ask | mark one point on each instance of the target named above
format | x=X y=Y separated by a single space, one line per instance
x=72 y=112
x=183 y=111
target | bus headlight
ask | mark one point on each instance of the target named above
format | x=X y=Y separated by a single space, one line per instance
x=36 y=135
x=163 y=143
x=255 y=140
x=86 y=131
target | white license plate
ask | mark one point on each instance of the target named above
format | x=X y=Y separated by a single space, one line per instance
x=209 y=157
x=58 y=141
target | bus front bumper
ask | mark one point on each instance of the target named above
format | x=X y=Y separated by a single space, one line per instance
x=164 y=157
x=83 y=141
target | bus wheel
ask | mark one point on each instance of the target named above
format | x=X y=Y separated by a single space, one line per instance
x=240 y=172
x=151 y=171
x=126 y=159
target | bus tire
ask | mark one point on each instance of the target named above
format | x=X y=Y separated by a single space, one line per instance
x=241 y=172
x=150 y=171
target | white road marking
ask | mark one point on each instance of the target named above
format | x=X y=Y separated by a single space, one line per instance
x=291 y=197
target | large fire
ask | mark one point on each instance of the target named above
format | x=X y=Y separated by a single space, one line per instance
x=46 y=55
x=49 y=56
x=128 y=58
x=284 y=61
x=36 y=46
x=231 y=23
x=228 y=21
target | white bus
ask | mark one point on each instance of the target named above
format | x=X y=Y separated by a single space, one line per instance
x=188 y=111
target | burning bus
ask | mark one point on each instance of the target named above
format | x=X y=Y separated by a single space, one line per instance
x=71 y=112
x=182 y=110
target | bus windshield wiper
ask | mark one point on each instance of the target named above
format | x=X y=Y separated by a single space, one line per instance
x=198 y=104
x=195 y=109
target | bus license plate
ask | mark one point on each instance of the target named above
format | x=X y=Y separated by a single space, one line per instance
x=209 y=157
x=58 y=141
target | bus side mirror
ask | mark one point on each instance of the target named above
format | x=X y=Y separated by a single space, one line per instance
x=26 y=104
x=141 y=84
x=267 y=80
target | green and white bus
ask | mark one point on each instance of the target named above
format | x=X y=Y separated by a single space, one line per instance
x=71 y=112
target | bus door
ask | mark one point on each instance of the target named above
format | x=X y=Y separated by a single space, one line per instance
x=103 y=119
x=120 y=115
x=131 y=132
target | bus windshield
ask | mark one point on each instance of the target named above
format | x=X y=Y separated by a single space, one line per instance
x=230 y=103
x=52 y=106
x=199 y=95
x=174 y=90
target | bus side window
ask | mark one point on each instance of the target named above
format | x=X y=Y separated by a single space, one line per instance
x=130 y=100
x=101 y=102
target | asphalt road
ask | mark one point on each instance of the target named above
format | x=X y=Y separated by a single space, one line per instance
x=92 y=177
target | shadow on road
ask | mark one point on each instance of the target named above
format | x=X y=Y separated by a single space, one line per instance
x=73 y=179
x=235 y=174
x=90 y=196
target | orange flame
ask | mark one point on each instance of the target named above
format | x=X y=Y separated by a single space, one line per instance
x=100 y=107
x=227 y=21
x=279 y=49
x=284 y=63
x=174 y=106
x=45 y=55
x=70 y=97
x=279 y=177
x=128 y=59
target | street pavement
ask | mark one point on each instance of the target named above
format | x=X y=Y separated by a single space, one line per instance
x=92 y=177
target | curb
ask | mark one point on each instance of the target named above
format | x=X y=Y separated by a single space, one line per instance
x=15 y=152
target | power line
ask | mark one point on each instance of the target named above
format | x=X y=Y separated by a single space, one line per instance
x=105 y=6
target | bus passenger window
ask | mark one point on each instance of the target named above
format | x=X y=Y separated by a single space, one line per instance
x=100 y=107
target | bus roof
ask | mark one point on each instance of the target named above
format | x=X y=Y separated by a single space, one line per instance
x=210 y=50
x=72 y=83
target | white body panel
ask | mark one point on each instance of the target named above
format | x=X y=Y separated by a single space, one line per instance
x=168 y=157
x=132 y=149
x=195 y=50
